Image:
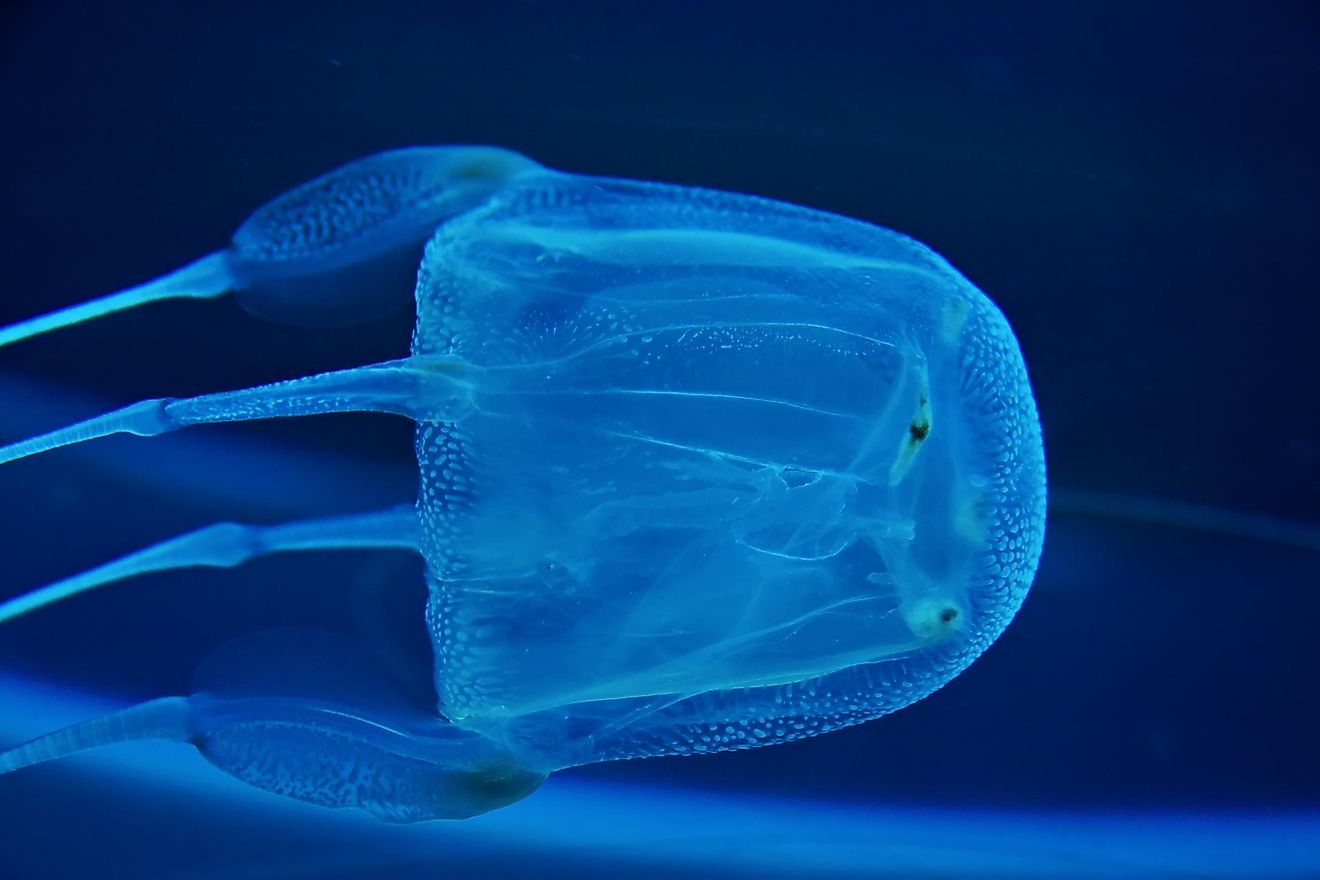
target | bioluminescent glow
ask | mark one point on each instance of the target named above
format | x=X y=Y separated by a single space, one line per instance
x=698 y=471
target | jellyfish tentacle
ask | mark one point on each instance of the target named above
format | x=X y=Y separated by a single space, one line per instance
x=206 y=278
x=398 y=768
x=225 y=545
x=335 y=249
x=169 y=718
x=432 y=388
x=393 y=763
x=316 y=716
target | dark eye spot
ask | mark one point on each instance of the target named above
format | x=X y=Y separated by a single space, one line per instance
x=949 y=614
x=554 y=573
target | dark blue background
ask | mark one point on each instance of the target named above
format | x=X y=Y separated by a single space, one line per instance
x=1135 y=184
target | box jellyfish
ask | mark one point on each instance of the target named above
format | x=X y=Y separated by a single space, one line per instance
x=697 y=471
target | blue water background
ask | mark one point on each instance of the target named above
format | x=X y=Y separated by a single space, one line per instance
x=1136 y=185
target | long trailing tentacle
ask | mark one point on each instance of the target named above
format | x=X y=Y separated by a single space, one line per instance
x=430 y=388
x=203 y=279
x=395 y=763
x=224 y=545
x=168 y=719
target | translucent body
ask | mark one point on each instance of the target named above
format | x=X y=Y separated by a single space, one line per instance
x=698 y=471
x=721 y=445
